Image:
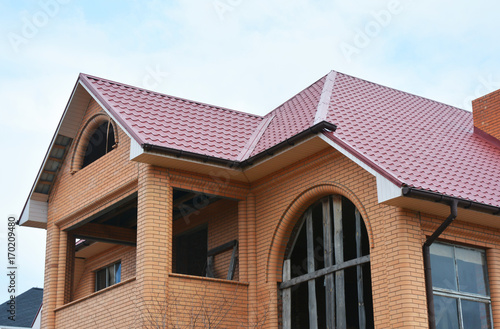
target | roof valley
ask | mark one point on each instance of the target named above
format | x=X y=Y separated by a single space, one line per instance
x=255 y=138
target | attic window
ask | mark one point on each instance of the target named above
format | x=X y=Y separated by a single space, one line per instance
x=100 y=143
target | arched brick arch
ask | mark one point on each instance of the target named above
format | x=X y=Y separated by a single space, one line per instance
x=83 y=138
x=293 y=213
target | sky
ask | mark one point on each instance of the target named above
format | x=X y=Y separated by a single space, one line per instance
x=245 y=55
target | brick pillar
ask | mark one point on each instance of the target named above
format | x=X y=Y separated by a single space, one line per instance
x=154 y=243
x=252 y=261
x=50 y=280
x=61 y=268
x=242 y=241
x=493 y=260
x=398 y=281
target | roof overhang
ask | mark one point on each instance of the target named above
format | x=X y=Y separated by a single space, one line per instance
x=237 y=171
x=34 y=213
x=391 y=191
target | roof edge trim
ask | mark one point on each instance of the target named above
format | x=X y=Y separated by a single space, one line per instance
x=83 y=79
x=317 y=128
x=417 y=193
x=59 y=125
x=371 y=164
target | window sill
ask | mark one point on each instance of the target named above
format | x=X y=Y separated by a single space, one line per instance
x=202 y=278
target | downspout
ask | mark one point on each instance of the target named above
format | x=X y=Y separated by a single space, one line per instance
x=427 y=262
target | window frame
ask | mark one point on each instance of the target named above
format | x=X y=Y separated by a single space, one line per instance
x=463 y=295
x=106 y=270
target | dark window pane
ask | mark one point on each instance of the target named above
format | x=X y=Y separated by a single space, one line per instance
x=475 y=315
x=446 y=312
x=100 y=279
x=300 y=308
x=317 y=217
x=471 y=271
x=443 y=267
x=351 y=297
x=321 y=301
x=100 y=143
x=349 y=229
x=298 y=258
x=191 y=249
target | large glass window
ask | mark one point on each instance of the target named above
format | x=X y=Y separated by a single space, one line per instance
x=460 y=285
x=326 y=272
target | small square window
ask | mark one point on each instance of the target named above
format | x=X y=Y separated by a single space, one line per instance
x=108 y=276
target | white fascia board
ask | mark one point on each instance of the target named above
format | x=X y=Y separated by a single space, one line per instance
x=35 y=211
x=135 y=149
x=386 y=190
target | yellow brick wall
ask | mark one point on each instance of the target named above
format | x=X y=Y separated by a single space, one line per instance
x=86 y=283
x=206 y=303
x=112 y=308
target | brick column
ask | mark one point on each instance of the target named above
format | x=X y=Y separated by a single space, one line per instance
x=242 y=241
x=50 y=282
x=252 y=261
x=61 y=268
x=493 y=260
x=398 y=281
x=154 y=243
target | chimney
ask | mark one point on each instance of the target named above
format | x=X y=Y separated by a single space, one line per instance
x=486 y=116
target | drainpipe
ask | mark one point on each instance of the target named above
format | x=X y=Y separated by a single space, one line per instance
x=427 y=262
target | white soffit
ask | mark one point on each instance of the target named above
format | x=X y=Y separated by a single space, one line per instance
x=386 y=190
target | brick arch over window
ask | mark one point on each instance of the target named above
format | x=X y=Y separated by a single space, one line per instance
x=85 y=134
x=290 y=217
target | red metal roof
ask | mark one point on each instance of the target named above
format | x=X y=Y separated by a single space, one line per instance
x=409 y=139
x=173 y=122
x=423 y=143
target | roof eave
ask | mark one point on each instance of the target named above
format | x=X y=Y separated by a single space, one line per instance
x=235 y=164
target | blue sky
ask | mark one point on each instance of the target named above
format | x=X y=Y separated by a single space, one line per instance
x=241 y=54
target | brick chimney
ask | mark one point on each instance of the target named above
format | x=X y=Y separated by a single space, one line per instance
x=486 y=115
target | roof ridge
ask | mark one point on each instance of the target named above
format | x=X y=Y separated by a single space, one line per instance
x=295 y=95
x=325 y=98
x=88 y=76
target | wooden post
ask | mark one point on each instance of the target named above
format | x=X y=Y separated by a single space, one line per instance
x=359 y=272
x=287 y=297
x=328 y=256
x=313 y=314
x=339 y=258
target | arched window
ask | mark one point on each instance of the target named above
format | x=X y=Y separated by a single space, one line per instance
x=326 y=272
x=100 y=142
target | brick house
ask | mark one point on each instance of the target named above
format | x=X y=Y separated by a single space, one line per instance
x=166 y=212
